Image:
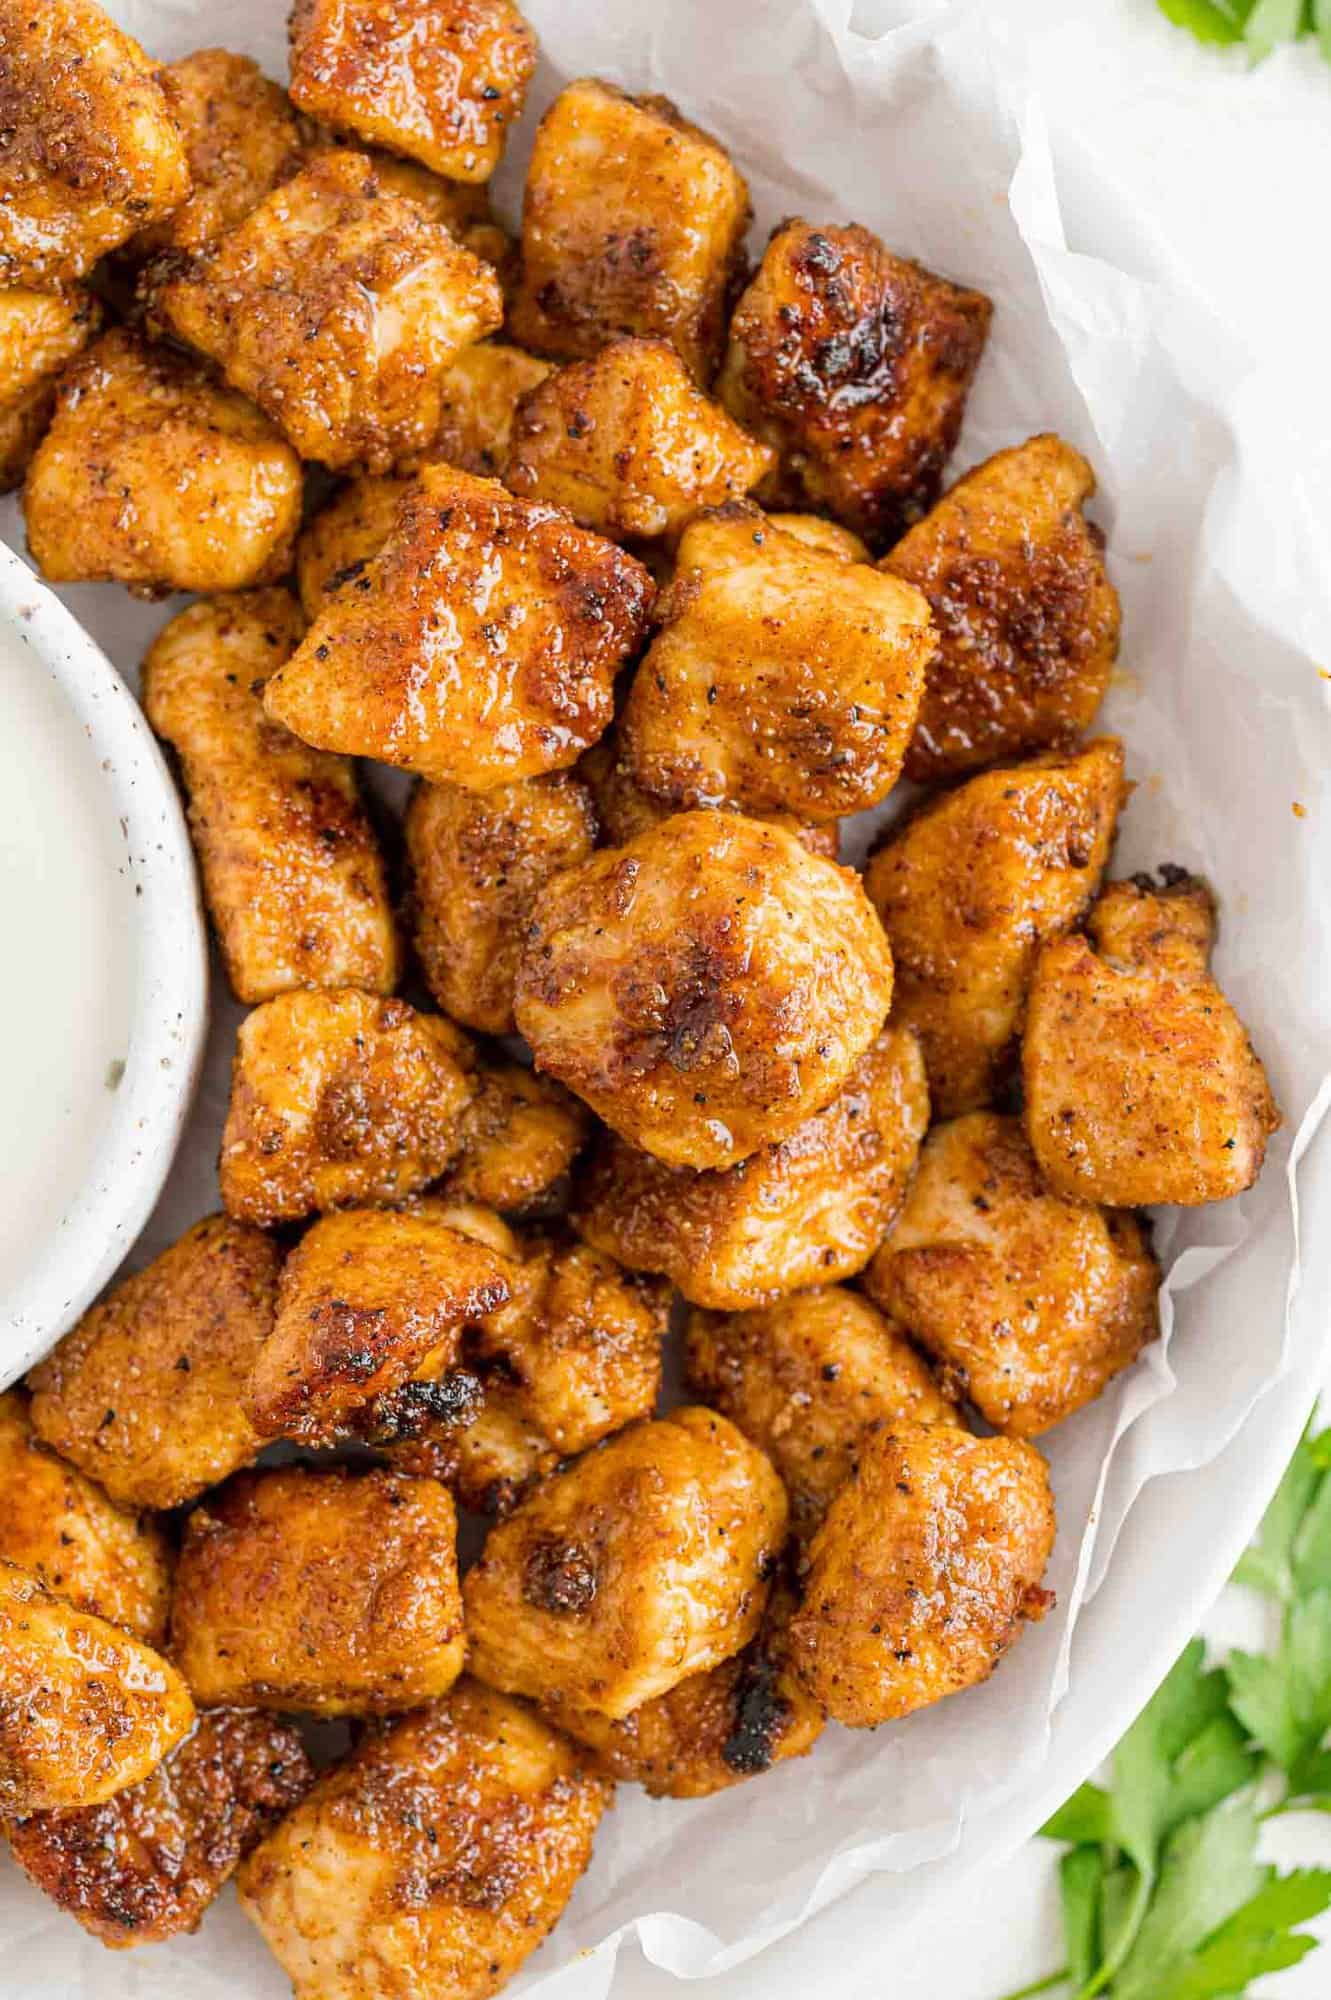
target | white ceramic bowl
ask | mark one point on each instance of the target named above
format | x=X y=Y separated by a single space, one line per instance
x=94 y=1090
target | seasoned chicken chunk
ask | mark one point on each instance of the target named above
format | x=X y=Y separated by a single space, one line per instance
x=481 y=393
x=519 y=1136
x=1030 y=1304
x=1141 y=1083
x=39 y=333
x=433 y=1860
x=705 y=989
x=920 y=1577
x=144 y=1395
x=330 y=1590
x=633 y=221
x=808 y=1380
x=292 y=873
x=461 y=206
x=438 y=80
x=153 y=476
x=1026 y=616
x=145 y=1865
x=624 y=809
x=85 y=1708
x=91 y=151
x=810 y=1209
x=629 y=445
x=643 y=1562
x=785 y=679
x=856 y=365
x=818 y=533
x=337 y=544
x=55 y=1522
x=337 y=306
x=971 y=886
x=339 y=1098
x=478 y=647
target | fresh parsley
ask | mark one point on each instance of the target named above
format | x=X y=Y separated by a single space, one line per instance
x=1260 y=24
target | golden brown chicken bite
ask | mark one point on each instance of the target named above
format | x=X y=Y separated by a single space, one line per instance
x=1027 y=618
x=144 y=1395
x=85 y=1708
x=145 y=1865
x=856 y=365
x=434 y=1859
x=644 y=1561
x=56 y=1523
x=337 y=543
x=810 y=1209
x=1141 y=1083
x=292 y=873
x=1030 y=1304
x=154 y=477
x=481 y=393
x=920 y=1576
x=818 y=533
x=462 y=207
x=705 y=989
x=628 y=444
x=970 y=886
x=39 y=333
x=439 y=80
x=339 y=1098
x=785 y=679
x=624 y=809
x=478 y=647
x=337 y=307
x=633 y=221
x=91 y=150
x=519 y=1136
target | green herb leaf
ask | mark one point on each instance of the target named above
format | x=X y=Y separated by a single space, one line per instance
x=1272 y=22
x=1268 y=1565
x=1205 y=19
x=1262 y=1701
x=1080 y=1874
x=1086 y=1816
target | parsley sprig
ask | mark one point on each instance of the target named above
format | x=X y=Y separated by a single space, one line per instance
x=1163 y=1896
x=1261 y=24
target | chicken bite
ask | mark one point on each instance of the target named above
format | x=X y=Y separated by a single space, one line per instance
x=808 y=1210
x=85 y=1708
x=969 y=888
x=292 y=873
x=1141 y=1083
x=337 y=544
x=144 y=1394
x=624 y=809
x=145 y=1865
x=645 y=1561
x=784 y=679
x=856 y=365
x=40 y=332
x=336 y=1099
x=154 y=477
x=481 y=394
x=922 y=1573
x=462 y=207
x=519 y=1137
x=706 y=989
x=633 y=221
x=434 y=1859
x=478 y=647
x=337 y=307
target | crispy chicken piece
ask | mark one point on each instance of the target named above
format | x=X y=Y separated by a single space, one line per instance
x=330 y=1590
x=338 y=543
x=705 y=989
x=461 y=206
x=633 y=222
x=478 y=647
x=478 y=861
x=920 y=1577
x=624 y=809
x=145 y=1865
x=629 y=445
x=153 y=476
x=856 y=365
x=39 y=333
x=91 y=150
x=808 y=1380
x=785 y=678
x=337 y=1099
x=969 y=888
x=1030 y=1304
x=85 y=1708
x=482 y=391
x=338 y=307
x=1141 y=1083
x=439 y=80
x=519 y=1135
x=144 y=1395
x=364 y=1297
x=1027 y=618
x=434 y=1859
x=80 y=1545
x=292 y=873
x=810 y=1209
x=818 y=533
x=643 y=1562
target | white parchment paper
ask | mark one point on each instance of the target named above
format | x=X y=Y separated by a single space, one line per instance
x=918 y=120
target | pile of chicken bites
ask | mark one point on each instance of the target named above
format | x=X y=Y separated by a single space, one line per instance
x=638 y=554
